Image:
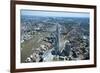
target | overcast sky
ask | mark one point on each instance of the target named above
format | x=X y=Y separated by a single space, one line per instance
x=54 y=14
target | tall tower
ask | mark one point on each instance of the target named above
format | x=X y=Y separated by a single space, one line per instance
x=57 y=35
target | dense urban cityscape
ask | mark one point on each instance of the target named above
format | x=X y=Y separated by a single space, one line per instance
x=48 y=38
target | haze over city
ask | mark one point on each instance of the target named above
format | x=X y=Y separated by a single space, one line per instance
x=55 y=13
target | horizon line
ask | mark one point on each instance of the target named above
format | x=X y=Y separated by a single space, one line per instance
x=54 y=13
